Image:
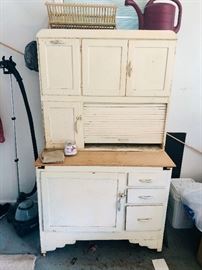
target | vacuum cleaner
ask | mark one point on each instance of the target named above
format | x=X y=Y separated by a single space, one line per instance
x=23 y=214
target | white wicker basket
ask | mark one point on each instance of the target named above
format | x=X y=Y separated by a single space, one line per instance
x=81 y=16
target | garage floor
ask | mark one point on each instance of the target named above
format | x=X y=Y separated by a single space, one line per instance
x=180 y=254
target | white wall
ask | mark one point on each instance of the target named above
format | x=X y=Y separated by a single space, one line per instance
x=19 y=22
x=186 y=101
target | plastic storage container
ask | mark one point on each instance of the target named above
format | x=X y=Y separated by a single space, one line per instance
x=177 y=216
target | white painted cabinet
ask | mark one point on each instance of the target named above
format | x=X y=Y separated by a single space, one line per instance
x=150 y=65
x=104 y=67
x=63 y=122
x=119 y=81
x=99 y=203
x=60 y=67
x=82 y=201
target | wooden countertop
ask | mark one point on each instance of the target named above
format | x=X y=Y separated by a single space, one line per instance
x=116 y=158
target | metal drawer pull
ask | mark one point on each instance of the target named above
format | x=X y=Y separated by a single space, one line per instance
x=144 y=219
x=129 y=69
x=57 y=42
x=145 y=180
x=145 y=197
x=120 y=196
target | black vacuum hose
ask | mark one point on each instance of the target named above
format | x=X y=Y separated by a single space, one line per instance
x=9 y=67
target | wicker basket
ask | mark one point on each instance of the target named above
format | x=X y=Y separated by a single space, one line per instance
x=87 y=16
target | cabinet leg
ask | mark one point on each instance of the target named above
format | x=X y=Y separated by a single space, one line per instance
x=43 y=254
x=160 y=245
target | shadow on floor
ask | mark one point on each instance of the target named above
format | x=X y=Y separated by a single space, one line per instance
x=88 y=255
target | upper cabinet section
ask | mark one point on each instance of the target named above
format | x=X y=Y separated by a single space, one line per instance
x=60 y=66
x=149 y=70
x=104 y=67
x=110 y=63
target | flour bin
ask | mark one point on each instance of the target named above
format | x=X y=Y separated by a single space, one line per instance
x=177 y=216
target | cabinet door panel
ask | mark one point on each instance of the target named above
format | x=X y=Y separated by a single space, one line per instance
x=81 y=201
x=150 y=64
x=60 y=66
x=124 y=123
x=104 y=64
x=62 y=123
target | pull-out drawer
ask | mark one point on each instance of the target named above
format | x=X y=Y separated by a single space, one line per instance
x=124 y=123
x=148 y=179
x=146 y=196
x=144 y=218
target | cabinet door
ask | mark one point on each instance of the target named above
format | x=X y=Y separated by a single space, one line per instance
x=63 y=122
x=60 y=66
x=85 y=201
x=104 y=65
x=124 y=123
x=149 y=69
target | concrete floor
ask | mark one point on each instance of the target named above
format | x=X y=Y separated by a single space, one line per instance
x=179 y=255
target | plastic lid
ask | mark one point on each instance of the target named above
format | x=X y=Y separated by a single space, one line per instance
x=178 y=185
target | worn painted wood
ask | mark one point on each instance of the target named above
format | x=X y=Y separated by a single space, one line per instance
x=107 y=34
x=62 y=122
x=103 y=67
x=151 y=64
x=60 y=66
x=146 y=196
x=100 y=67
x=120 y=158
x=121 y=123
x=85 y=203
x=144 y=218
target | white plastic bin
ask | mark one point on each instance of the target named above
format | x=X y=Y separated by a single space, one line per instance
x=177 y=216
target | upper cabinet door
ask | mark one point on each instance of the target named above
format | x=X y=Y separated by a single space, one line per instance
x=104 y=67
x=60 y=66
x=62 y=122
x=149 y=68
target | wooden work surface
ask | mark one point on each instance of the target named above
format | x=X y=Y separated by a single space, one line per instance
x=111 y=158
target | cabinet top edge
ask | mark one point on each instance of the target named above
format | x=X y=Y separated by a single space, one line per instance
x=107 y=34
x=116 y=159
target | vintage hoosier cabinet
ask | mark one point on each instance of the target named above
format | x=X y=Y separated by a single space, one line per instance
x=107 y=90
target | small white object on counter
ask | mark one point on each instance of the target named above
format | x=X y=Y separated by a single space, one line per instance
x=70 y=148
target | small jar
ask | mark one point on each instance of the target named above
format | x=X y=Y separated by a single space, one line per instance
x=70 y=148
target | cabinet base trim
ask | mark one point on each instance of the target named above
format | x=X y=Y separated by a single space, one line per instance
x=52 y=240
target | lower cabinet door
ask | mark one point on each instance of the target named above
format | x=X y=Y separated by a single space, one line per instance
x=82 y=201
x=144 y=218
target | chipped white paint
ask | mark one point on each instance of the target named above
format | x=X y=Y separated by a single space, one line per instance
x=117 y=84
x=98 y=203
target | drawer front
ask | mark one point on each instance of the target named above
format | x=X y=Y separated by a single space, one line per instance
x=144 y=218
x=124 y=123
x=148 y=179
x=146 y=196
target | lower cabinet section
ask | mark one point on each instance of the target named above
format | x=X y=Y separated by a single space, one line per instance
x=99 y=203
